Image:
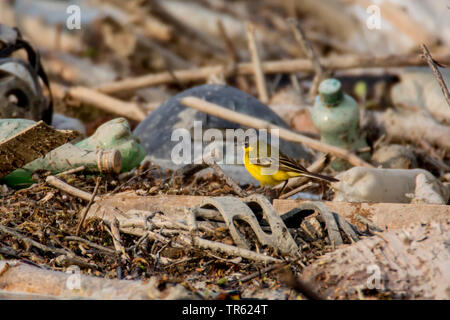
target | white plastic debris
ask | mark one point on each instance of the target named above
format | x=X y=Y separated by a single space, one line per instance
x=361 y=184
x=429 y=191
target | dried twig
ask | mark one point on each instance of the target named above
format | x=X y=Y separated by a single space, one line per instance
x=227 y=249
x=91 y=244
x=70 y=171
x=256 y=62
x=249 y=121
x=228 y=42
x=129 y=180
x=434 y=67
x=297 y=190
x=259 y=273
x=100 y=100
x=115 y=235
x=310 y=53
x=61 y=185
x=91 y=201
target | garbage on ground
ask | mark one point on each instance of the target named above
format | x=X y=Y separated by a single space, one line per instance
x=430 y=191
x=360 y=184
x=22 y=141
x=111 y=149
x=336 y=116
x=21 y=93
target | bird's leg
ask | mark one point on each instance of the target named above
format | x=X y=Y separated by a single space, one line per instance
x=282 y=188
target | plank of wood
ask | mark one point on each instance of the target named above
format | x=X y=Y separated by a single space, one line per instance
x=172 y=205
x=383 y=215
x=29 y=144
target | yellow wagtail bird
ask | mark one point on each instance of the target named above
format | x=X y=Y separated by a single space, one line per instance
x=260 y=159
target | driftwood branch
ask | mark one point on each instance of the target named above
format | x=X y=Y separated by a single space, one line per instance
x=61 y=185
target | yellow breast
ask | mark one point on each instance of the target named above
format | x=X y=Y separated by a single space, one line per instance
x=257 y=172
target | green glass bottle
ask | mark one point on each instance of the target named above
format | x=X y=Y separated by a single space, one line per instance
x=112 y=148
x=336 y=115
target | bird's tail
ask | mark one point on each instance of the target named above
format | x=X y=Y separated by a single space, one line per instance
x=319 y=176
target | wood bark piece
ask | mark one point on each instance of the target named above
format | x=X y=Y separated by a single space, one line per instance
x=29 y=144
x=21 y=278
x=269 y=67
x=382 y=215
x=249 y=121
x=412 y=263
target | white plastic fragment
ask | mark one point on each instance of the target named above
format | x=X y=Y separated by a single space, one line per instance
x=360 y=184
x=429 y=191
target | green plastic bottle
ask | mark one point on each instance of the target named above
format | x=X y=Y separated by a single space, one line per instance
x=336 y=115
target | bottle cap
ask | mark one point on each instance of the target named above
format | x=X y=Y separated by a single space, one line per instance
x=330 y=92
x=109 y=161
